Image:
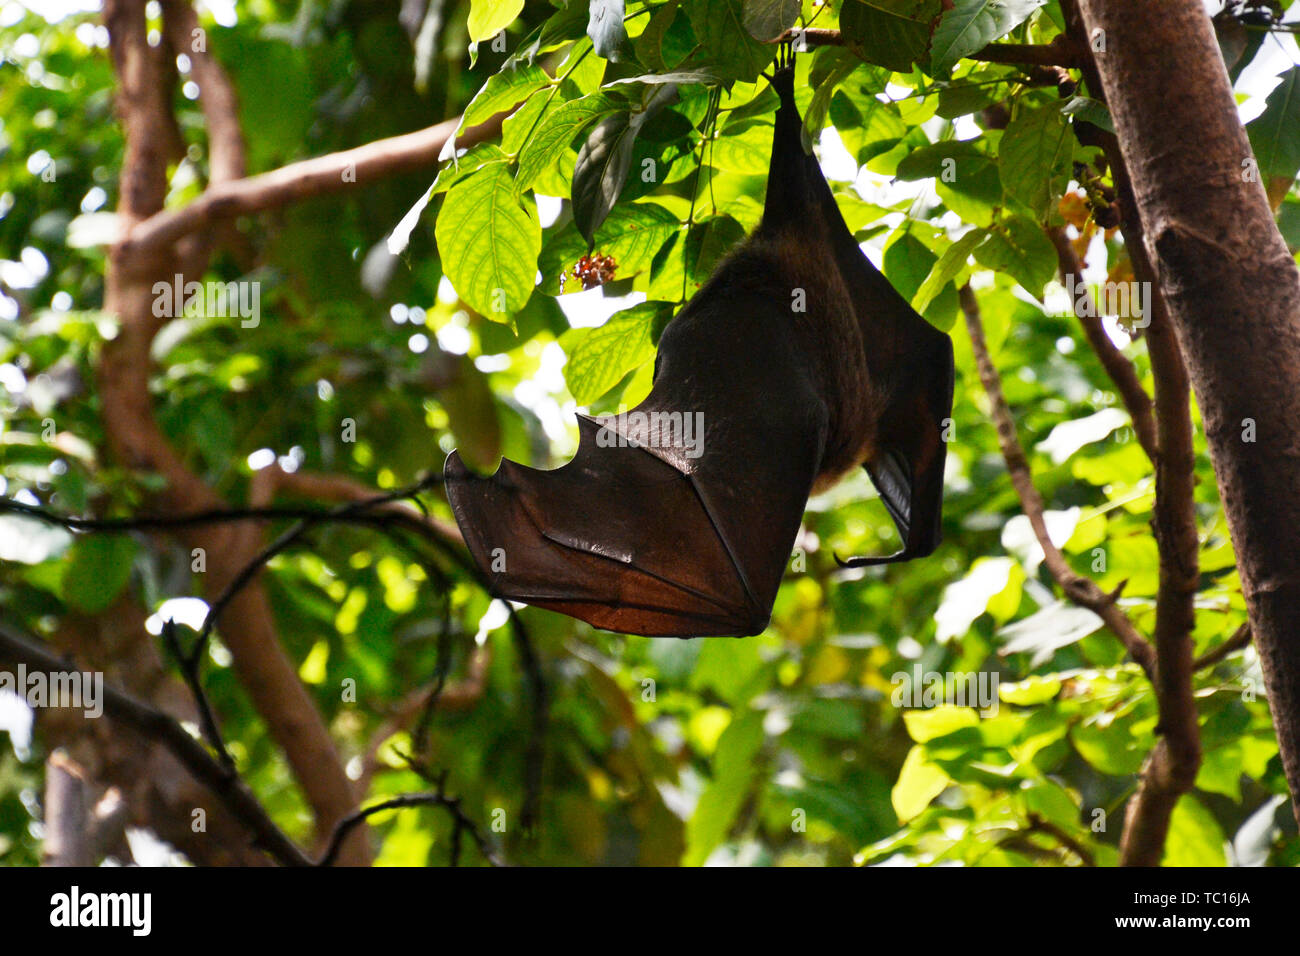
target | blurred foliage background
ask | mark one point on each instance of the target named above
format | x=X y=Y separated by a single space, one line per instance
x=788 y=748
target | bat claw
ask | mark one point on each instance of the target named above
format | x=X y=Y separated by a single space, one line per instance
x=873 y=560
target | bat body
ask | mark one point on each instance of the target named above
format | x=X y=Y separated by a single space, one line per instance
x=794 y=364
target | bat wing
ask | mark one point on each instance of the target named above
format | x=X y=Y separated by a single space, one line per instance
x=907 y=468
x=909 y=361
x=671 y=538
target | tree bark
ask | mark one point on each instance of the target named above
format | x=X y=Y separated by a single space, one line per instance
x=1233 y=296
x=132 y=431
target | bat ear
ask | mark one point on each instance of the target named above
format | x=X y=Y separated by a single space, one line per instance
x=907 y=469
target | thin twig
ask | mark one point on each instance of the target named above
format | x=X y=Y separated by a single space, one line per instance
x=1240 y=638
x=1080 y=590
x=460 y=823
x=1038 y=824
x=389 y=520
x=189 y=666
x=1060 y=52
x=1116 y=363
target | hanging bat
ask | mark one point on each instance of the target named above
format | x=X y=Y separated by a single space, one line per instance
x=794 y=364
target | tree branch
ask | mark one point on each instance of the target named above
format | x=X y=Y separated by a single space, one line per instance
x=1170 y=769
x=320 y=176
x=1240 y=638
x=156 y=726
x=1115 y=362
x=1038 y=824
x=1080 y=590
x=380 y=511
x=460 y=824
x=66 y=816
x=1059 y=52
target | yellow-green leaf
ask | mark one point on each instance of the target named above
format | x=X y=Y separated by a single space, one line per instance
x=487 y=18
x=489 y=242
x=918 y=783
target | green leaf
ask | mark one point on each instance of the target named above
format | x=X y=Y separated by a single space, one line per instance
x=649 y=45
x=962 y=99
x=728 y=668
x=489 y=242
x=673 y=76
x=768 y=19
x=632 y=234
x=733 y=772
x=502 y=91
x=487 y=18
x=600 y=357
x=1020 y=248
x=972 y=25
x=520 y=124
x=925 y=725
x=484 y=154
x=1090 y=111
x=933 y=161
x=950 y=264
x=1030 y=691
x=605 y=27
x=1275 y=133
x=891 y=33
x=747 y=150
x=966 y=177
x=1035 y=153
x=548 y=145
x=97 y=571
x=1195 y=837
x=1051 y=801
x=919 y=782
x=907 y=261
x=834 y=66
x=1112 y=748
x=601 y=172
x=719 y=26
x=708 y=242
x=867 y=126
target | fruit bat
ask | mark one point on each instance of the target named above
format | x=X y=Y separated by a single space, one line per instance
x=795 y=363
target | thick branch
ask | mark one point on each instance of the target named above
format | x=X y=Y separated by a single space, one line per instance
x=216 y=94
x=66 y=817
x=1082 y=591
x=320 y=176
x=132 y=431
x=156 y=726
x=1172 y=766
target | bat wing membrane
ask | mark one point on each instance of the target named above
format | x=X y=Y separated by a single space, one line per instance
x=654 y=540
